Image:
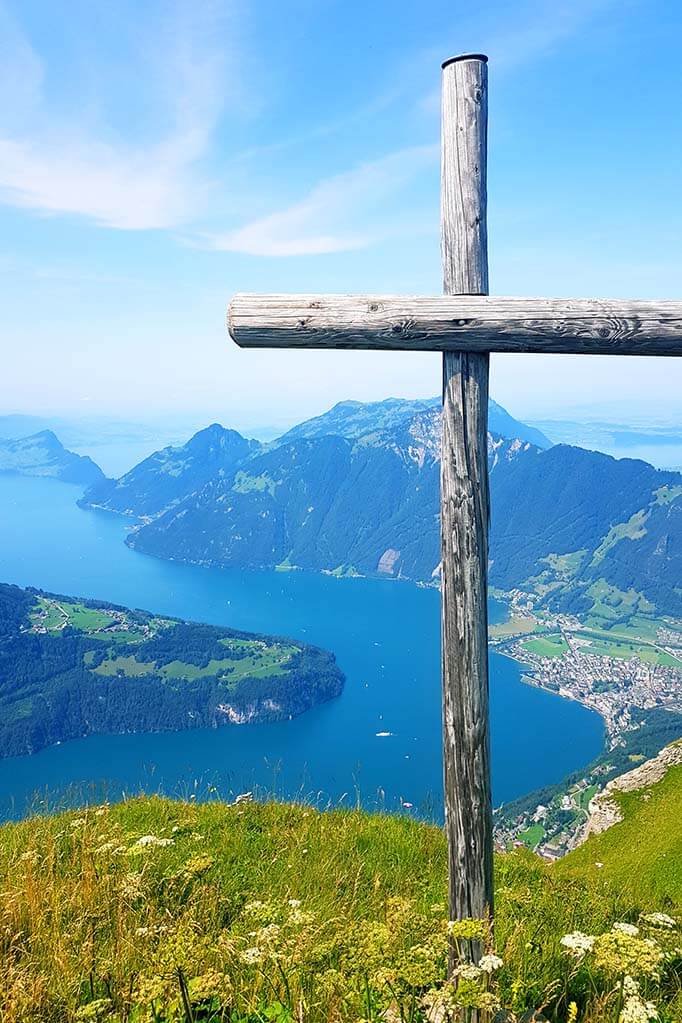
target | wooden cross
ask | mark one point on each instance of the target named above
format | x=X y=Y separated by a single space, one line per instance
x=465 y=326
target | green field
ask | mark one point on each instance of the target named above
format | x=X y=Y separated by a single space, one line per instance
x=633 y=529
x=584 y=797
x=552 y=645
x=121 y=626
x=516 y=625
x=604 y=645
x=264 y=662
x=259 y=665
x=124 y=665
x=54 y=615
x=532 y=836
x=611 y=604
x=245 y=658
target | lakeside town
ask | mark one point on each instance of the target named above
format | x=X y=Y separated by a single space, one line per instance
x=633 y=666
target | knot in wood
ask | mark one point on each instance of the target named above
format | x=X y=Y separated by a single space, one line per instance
x=403 y=327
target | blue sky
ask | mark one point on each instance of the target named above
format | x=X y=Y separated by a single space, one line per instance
x=156 y=157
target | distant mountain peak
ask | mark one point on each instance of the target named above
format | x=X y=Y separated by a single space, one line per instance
x=354 y=419
x=167 y=477
x=43 y=454
x=48 y=436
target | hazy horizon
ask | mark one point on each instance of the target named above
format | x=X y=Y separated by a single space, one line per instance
x=614 y=411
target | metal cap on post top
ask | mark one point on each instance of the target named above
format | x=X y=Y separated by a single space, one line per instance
x=465 y=56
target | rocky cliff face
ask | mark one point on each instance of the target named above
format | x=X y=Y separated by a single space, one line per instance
x=604 y=811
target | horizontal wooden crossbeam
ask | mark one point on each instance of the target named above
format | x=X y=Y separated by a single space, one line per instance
x=464 y=323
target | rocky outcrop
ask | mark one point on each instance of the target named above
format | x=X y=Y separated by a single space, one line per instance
x=604 y=810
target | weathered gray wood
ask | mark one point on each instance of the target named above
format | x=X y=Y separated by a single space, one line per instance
x=466 y=323
x=465 y=504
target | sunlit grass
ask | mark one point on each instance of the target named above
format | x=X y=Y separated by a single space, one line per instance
x=255 y=911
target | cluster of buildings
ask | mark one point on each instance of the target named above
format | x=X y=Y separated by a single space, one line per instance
x=612 y=685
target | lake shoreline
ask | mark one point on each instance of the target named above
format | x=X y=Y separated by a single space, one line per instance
x=386 y=641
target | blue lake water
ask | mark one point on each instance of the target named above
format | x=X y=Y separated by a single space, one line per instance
x=386 y=639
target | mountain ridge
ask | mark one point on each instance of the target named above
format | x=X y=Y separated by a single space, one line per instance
x=355 y=492
x=43 y=454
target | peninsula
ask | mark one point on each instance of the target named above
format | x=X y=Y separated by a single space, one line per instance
x=73 y=667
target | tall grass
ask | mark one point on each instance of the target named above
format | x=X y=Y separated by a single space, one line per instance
x=162 y=910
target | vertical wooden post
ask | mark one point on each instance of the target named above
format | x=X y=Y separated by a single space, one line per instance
x=465 y=499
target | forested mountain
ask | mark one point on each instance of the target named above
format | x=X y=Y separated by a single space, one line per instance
x=356 y=491
x=166 y=477
x=70 y=668
x=42 y=454
x=586 y=528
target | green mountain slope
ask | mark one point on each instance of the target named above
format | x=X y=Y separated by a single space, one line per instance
x=326 y=503
x=642 y=853
x=166 y=477
x=163 y=910
x=71 y=667
x=590 y=533
x=42 y=454
x=356 y=491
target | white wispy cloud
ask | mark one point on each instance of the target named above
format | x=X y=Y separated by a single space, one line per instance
x=188 y=70
x=545 y=25
x=55 y=166
x=344 y=212
x=533 y=31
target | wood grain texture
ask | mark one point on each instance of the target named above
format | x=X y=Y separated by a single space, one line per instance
x=463 y=178
x=465 y=323
x=465 y=506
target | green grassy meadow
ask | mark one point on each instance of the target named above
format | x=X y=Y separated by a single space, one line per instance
x=552 y=645
x=161 y=910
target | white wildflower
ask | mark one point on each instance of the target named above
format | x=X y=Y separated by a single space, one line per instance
x=490 y=963
x=294 y=903
x=659 y=920
x=468 y=971
x=251 y=956
x=630 y=986
x=148 y=840
x=106 y=847
x=78 y=822
x=628 y=929
x=637 y=1011
x=577 y=944
x=131 y=886
x=141 y=931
